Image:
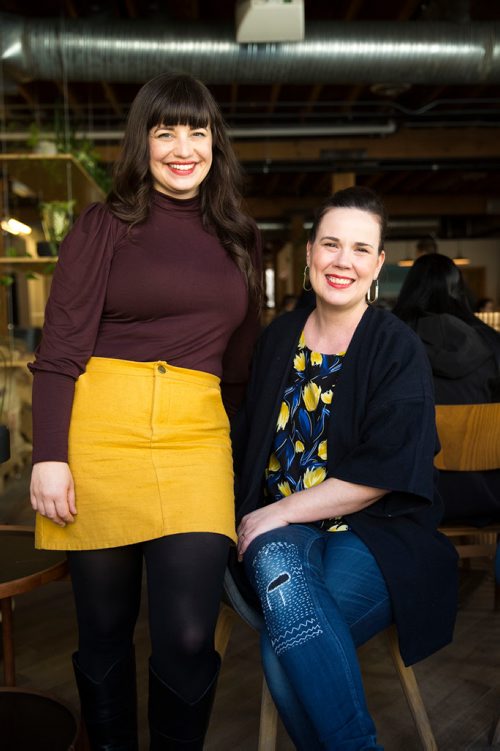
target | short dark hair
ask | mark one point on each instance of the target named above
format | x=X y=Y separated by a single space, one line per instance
x=356 y=197
x=426 y=245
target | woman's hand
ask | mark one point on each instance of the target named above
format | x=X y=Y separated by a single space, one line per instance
x=258 y=522
x=52 y=492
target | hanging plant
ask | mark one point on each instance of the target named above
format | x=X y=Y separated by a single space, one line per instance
x=57 y=217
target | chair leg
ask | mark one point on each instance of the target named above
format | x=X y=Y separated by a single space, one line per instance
x=225 y=623
x=412 y=693
x=268 y=728
x=496 y=734
x=9 y=670
x=496 y=573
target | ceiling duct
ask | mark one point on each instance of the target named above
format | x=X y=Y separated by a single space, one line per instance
x=343 y=52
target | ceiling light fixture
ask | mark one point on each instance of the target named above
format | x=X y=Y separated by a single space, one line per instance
x=460 y=260
x=269 y=21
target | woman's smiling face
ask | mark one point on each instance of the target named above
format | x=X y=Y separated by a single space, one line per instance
x=344 y=258
x=180 y=158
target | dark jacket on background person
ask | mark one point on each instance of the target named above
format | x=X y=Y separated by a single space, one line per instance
x=463 y=364
x=381 y=434
x=466 y=370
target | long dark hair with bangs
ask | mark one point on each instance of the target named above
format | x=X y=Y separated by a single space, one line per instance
x=180 y=99
x=433 y=285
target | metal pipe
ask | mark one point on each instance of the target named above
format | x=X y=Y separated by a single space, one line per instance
x=284 y=131
x=332 y=52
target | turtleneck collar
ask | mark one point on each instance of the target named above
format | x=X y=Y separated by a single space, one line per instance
x=176 y=205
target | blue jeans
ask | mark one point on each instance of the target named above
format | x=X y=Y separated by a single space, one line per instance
x=322 y=595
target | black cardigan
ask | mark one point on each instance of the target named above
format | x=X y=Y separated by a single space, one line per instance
x=381 y=434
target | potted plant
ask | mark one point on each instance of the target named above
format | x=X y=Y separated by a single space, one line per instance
x=40 y=143
x=57 y=217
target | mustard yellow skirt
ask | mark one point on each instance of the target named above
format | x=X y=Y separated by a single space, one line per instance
x=150 y=455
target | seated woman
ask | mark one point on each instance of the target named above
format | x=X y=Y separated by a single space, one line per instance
x=464 y=354
x=334 y=460
x=463 y=351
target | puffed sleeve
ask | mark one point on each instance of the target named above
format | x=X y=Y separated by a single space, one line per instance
x=72 y=319
x=238 y=354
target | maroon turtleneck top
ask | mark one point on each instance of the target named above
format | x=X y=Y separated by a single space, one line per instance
x=165 y=290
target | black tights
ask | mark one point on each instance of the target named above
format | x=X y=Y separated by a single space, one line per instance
x=184 y=575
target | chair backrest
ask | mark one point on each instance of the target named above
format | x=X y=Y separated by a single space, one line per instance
x=469 y=435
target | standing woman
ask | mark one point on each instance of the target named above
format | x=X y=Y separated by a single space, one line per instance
x=334 y=452
x=151 y=319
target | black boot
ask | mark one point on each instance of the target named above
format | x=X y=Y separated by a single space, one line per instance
x=109 y=707
x=175 y=724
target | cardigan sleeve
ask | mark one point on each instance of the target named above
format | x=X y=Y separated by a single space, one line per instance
x=396 y=437
x=72 y=318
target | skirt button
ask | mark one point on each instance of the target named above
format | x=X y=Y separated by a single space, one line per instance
x=162 y=369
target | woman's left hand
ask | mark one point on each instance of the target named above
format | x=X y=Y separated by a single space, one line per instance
x=256 y=523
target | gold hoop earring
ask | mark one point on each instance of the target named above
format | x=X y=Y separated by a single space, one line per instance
x=375 y=293
x=306 y=280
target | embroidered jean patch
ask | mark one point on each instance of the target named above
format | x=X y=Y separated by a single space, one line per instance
x=286 y=602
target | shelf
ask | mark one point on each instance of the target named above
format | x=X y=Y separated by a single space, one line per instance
x=24 y=263
x=49 y=177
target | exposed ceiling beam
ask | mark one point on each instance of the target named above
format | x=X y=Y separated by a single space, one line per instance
x=407 y=9
x=131 y=8
x=408 y=143
x=313 y=98
x=112 y=99
x=353 y=10
x=397 y=205
x=188 y=10
x=71 y=10
x=26 y=95
x=273 y=97
x=66 y=92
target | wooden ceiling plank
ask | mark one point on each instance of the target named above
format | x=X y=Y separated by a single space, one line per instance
x=234 y=97
x=275 y=92
x=189 y=10
x=342 y=180
x=422 y=204
x=72 y=99
x=27 y=96
x=312 y=99
x=407 y=9
x=70 y=8
x=131 y=7
x=353 y=10
x=298 y=182
x=391 y=180
x=431 y=143
x=371 y=181
x=272 y=184
x=112 y=99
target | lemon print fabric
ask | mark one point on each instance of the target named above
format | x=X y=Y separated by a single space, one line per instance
x=299 y=453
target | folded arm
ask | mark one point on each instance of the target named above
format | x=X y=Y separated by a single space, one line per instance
x=331 y=498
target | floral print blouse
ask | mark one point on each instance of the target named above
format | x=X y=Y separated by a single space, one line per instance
x=299 y=453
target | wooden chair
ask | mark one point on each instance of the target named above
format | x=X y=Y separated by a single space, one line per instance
x=236 y=606
x=470 y=441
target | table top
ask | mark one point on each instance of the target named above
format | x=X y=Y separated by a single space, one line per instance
x=22 y=566
x=30 y=719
